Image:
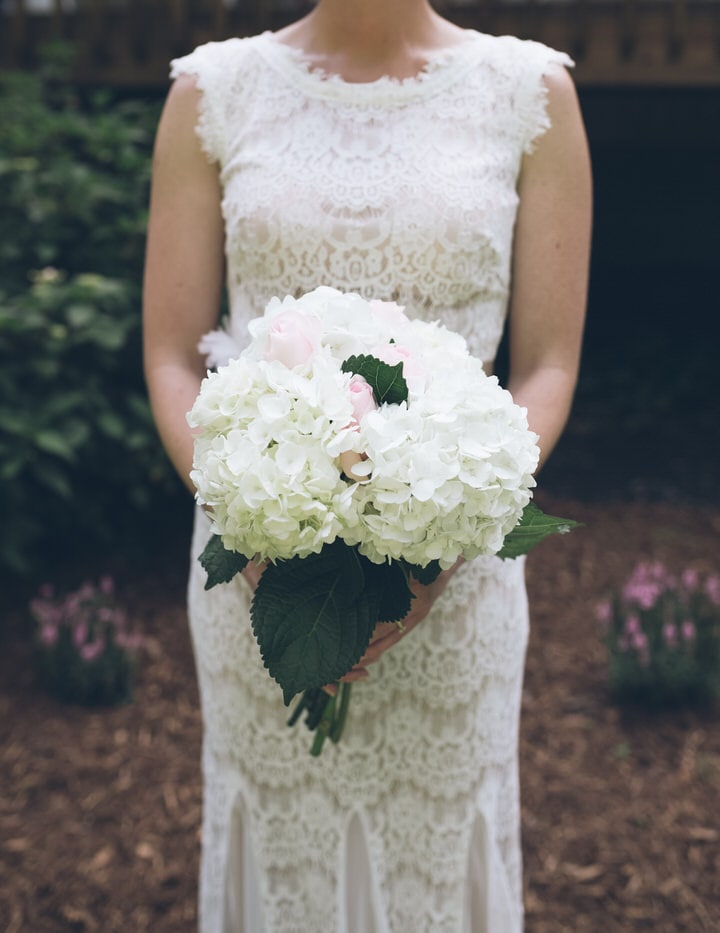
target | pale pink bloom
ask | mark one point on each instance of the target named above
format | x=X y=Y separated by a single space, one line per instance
x=361 y=398
x=414 y=372
x=644 y=594
x=46 y=613
x=687 y=630
x=48 y=635
x=669 y=631
x=632 y=625
x=80 y=633
x=712 y=588
x=294 y=338
x=389 y=313
x=642 y=646
x=92 y=650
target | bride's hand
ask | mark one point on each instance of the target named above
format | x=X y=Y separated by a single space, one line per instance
x=387 y=634
x=252 y=573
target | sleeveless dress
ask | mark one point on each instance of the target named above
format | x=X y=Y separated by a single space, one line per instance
x=404 y=190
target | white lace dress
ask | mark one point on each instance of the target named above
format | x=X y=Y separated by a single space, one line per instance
x=401 y=190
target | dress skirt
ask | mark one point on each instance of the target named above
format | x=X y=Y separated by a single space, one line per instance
x=411 y=822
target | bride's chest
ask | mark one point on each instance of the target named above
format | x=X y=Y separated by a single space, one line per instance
x=402 y=178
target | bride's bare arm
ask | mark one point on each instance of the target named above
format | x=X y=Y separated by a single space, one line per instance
x=547 y=312
x=183 y=272
x=550 y=266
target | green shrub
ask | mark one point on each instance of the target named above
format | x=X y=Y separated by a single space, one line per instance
x=85 y=651
x=79 y=456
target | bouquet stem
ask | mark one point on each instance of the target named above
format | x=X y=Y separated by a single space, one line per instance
x=324 y=715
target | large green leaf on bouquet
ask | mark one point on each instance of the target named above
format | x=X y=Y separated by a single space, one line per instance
x=386 y=381
x=313 y=617
x=220 y=564
x=533 y=527
x=390 y=589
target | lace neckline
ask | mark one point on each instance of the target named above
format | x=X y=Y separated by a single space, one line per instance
x=441 y=68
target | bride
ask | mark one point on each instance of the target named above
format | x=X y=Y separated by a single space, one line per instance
x=374 y=147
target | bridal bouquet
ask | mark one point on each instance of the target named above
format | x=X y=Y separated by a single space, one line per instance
x=352 y=449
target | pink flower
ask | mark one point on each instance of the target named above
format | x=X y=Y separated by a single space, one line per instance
x=92 y=650
x=294 y=338
x=687 y=630
x=415 y=374
x=361 y=397
x=669 y=632
x=641 y=644
x=644 y=594
x=632 y=625
x=48 y=635
x=389 y=313
x=80 y=633
x=712 y=588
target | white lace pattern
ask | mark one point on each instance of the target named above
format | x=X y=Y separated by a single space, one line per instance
x=400 y=190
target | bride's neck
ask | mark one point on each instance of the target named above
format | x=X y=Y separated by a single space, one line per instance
x=372 y=30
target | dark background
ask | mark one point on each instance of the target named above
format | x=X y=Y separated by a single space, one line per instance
x=645 y=421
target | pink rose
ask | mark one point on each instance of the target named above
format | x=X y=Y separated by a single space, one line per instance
x=293 y=339
x=361 y=398
x=389 y=313
x=392 y=354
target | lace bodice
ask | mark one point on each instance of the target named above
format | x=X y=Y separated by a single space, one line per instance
x=401 y=190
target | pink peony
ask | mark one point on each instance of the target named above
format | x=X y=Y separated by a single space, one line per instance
x=294 y=338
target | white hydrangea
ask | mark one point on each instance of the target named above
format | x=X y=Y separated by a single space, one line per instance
x=262 y=460
x=446 y=473
x=451 y=472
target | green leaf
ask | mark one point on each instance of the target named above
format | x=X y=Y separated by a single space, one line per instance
x=389 y=589
x=532 y=528
x=220 y=564
x=313 y=618
x=53 y=443
x=387 y=382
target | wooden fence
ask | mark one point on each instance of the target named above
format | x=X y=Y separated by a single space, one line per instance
x=615 y=42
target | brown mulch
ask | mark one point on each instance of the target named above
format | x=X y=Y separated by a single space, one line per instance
x=100 y=809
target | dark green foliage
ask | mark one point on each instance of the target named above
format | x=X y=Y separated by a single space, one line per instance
x=220 y=564
x=79 y=455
